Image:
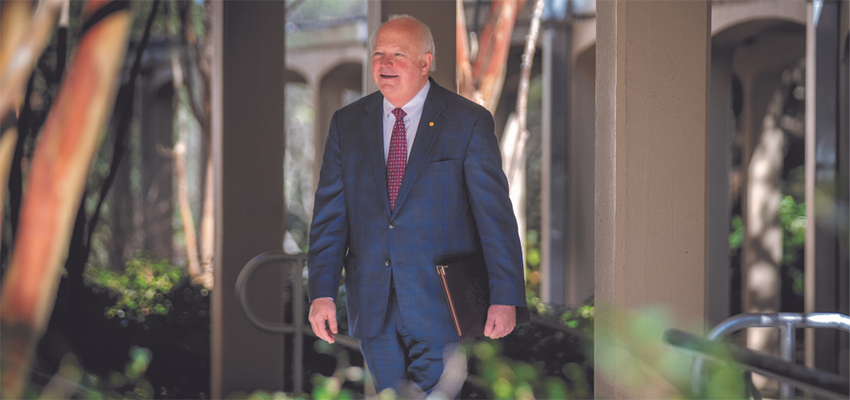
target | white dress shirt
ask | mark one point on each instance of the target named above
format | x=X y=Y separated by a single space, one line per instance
x=413 y=109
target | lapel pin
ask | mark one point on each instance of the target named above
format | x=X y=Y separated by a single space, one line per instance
x=430 y=124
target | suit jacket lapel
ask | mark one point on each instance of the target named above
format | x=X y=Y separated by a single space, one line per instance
x=429 y=127
x=373 y=130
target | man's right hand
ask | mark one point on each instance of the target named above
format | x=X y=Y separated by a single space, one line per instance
x=321 y=310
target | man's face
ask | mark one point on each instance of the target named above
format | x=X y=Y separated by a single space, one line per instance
x=397 y=67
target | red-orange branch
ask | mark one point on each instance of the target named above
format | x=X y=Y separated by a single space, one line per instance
x=482 y=82
x=57 y=176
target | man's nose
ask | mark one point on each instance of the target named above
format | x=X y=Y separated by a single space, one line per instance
x=386 y=61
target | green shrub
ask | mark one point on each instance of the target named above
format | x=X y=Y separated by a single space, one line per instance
x=142 y=289
x=153 y=305
x=71 y=381
x=491 y=376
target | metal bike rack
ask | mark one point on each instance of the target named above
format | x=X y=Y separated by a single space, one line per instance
x=786 y=322
x=294 y=262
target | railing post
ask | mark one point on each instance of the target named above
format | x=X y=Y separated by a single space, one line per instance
x=298 y=319
x=786 y=322
x=786 y=352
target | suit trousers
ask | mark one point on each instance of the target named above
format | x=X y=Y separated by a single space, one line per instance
x=409 y=366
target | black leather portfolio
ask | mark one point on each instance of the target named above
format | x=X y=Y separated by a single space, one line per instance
x=467 y=287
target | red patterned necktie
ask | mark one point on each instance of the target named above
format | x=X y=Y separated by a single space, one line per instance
x=397 y=156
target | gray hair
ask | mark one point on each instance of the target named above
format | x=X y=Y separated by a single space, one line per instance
x=427 y=45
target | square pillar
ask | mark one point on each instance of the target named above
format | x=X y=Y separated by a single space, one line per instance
x=718 y=282
x=826 y=182
x=652 y=113
x=557 y=40
x=581 y=160
x=248 y=151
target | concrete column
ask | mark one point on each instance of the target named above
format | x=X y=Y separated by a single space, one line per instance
x=821 y=292
x=581 y=142
x=556 y=45
x=652 y=102
x=440 y=16
x=248 y=151
x=719 y=165
x=843 y=186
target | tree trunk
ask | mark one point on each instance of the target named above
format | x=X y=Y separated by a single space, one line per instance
x=55 y=185
x=482 y=81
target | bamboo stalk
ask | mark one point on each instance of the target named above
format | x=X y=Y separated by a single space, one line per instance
x=56 y=180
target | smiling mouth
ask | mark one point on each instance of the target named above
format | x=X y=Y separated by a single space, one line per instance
x=388 y=76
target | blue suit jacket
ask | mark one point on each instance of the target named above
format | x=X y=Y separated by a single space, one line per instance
x=453 y=200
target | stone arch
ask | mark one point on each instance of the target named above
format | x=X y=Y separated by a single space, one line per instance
x=752 y=44
x=294 y=76
x=725 y=16
x=344 y=77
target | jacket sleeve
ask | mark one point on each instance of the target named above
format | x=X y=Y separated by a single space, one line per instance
x=329 y=228
x=489 y=199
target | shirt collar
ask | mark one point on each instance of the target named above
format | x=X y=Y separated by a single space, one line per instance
x=413 y=107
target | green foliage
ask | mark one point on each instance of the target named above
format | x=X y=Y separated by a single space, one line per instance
x=131 y=384
x=578 y=317
x=71 y=381
x=331 y=387
x=736 y=237
x=792 y=217
x=144 y=288
x=505 y=378
x=498 y=376
x=179 y=339
x=532 y=263
x=630 y=347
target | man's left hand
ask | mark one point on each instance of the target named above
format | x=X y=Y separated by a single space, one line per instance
x=500 y=321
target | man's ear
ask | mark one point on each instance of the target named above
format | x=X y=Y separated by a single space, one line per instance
x=427 y=59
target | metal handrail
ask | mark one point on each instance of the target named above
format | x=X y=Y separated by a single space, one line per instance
x=786 y=322
x=295 y=262
x=242 y=297
x=821 y=383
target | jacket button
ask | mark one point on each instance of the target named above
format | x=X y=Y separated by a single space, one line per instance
x=388 y=263
x=392 y=225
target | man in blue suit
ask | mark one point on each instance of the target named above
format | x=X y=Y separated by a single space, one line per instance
x=410 y=175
